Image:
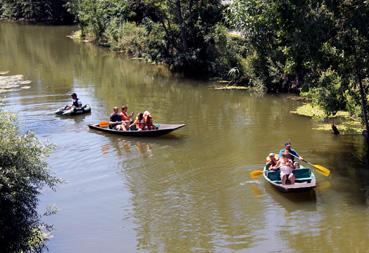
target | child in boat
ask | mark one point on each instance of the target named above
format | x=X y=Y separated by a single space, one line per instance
x=149 y=125
x=286 y=166
x=76 y=103
x=139 y=122
x=126 y=119
x=271 y=161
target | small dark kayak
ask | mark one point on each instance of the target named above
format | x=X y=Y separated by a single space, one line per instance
x=305 y=180
x=74 y=111
x=163 y=129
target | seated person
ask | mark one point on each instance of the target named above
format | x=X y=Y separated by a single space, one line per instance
x=149 y=125
x=286 y=167
x=126 y=119
x=291 y=154
x=76 y=103
x=115 y=118
x=271 y=161
x=139 y=123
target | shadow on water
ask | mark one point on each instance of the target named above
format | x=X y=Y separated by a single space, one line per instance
x=125 y=145
x=293 y=201
x=77 y=118
x=349 y=165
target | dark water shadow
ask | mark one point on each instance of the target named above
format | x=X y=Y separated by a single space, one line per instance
x=144 y=146
x=293 y=201
x=167 y=137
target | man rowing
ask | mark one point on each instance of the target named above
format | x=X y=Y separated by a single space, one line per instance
x=291 y=154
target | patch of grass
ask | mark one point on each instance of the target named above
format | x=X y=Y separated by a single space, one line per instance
x=343 y=121
x=231 y=87
x=309 y=110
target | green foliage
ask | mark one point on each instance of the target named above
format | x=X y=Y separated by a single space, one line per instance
x=316 y=45
x=327 y=94
x=186 y=35
x=23 y=173
x=48 y=11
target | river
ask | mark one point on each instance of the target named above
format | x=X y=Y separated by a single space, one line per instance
x=189 y=191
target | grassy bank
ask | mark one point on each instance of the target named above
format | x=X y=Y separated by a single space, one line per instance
x=345 y=123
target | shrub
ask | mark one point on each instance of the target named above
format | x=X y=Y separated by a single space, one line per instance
x=23 y=173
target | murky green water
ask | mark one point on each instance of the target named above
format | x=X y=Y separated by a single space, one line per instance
x=185 y=192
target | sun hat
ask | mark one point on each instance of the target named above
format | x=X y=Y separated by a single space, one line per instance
x=271 y=154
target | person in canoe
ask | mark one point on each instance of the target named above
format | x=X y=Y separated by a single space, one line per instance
x=115 y=118
x=76 y=103
x=286 y=166
x=126 y=119
x=149 y=125
x=291 y=154
x=271 y=161
x=139 y=123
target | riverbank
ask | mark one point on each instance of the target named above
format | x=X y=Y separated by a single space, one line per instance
x=345 y=123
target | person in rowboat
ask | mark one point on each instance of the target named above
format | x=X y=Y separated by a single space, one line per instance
x=149 y=125
x=291 y=154
x=271 y=161
x=126 y=119
x=115 y=118
x=286 y=166
x=139 y=122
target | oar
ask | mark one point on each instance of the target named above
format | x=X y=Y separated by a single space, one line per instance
x=321 y=169
x=104 y=124
x=256 y=173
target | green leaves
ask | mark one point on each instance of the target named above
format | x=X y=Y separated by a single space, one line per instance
x=23 y=173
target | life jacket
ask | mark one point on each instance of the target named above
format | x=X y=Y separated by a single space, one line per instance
x=270 y=161
x=77 y=102
x=125 y=117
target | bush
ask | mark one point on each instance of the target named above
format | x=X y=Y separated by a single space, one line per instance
x=23 y=173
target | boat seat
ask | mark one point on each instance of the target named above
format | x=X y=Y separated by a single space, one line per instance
x=302 y=174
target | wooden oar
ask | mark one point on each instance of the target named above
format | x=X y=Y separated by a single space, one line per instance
x=256 y=173
x=321 y=169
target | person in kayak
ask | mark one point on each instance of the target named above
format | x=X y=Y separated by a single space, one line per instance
x=149 y=125
x=115 y=118
x=291 y=154
x=139 y=122
x=126 y=119
x=76 y=103
x=271 y=161
x=286 y=166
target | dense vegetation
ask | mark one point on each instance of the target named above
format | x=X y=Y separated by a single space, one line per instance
x=45 y=11
x=186 y=35
x=317 y=47
x=23 y=173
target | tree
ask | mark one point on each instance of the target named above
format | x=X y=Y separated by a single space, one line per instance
x=352 y=42
x=47 y=11
x=23 y=173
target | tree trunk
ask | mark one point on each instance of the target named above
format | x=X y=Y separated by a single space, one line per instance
x=181 y=25
x=363 y=103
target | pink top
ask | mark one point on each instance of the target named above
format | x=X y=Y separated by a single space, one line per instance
x=286 y=166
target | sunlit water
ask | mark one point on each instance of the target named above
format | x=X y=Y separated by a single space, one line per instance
x=186 y=192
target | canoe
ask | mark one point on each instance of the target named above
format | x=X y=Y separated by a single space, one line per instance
x=163 y=129
x=74 y=111
x=305 y=180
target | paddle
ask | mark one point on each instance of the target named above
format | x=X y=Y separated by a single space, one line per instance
x=104 y=124
x=256 y=173
x=321 y=169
